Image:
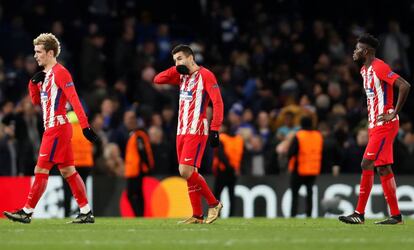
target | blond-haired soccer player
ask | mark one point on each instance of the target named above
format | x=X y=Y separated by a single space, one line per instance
x=52 y=88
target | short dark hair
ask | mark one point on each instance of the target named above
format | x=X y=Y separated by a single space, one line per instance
x=306 y=122
x=369 y=40
x=182 y=48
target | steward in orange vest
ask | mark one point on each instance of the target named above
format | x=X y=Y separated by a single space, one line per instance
x=139 y=160
x=226 y=165
x=305 y=160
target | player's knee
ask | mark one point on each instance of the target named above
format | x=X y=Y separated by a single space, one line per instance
x=39 y=170
x=68 y=171
x=185 y=171
x=367 y=164
x=384 y=170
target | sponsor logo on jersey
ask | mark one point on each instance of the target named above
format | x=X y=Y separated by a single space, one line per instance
x=186 y=95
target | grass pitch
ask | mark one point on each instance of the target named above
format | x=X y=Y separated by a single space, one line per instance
x=116 y=233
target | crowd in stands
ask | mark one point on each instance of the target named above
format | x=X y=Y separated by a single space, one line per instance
x=272 y=68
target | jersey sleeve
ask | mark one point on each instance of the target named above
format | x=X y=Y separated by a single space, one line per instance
x=213 y=91
x=385 y=73
x=34 y=93
x=169 y=76
x=65 y=82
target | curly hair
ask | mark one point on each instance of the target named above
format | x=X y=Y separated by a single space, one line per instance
x=369 y=40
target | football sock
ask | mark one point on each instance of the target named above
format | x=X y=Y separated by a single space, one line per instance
x=367 y=180
x=37 y=189
x=195 y=199
x=85 y=209
x=389 y=187
x=205 y=191
x=78 y=189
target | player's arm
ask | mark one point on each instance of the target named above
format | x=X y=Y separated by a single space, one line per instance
x=65 y=82
x=213 y=91
x=34 y=93
x=34 y=89
x=72 y=96
x=403 y=90
x=168 y=76
x=386 y=74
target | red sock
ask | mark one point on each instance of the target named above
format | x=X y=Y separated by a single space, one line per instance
x=204 y=188
x=78 y=189
x=37 y=189
x=367 y=180
x=195 y=198
x=390 y=188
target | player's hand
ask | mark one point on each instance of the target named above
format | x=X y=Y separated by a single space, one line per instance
x=182 y=69
x=386 y=117
x=38 y=77
x=90 y=135
x=214 y=138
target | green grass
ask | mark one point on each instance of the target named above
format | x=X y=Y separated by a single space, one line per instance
x=115 y=233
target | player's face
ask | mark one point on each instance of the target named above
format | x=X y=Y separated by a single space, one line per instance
x=359 y=52
x=181 y=59
x=42 y=57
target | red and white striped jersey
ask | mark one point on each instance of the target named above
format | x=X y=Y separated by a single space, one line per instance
x=378 y=84
x=196 y=91
x=53 y=93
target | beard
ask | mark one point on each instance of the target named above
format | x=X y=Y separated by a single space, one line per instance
x=360 y=61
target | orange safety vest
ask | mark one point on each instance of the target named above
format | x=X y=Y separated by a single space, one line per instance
x=233 y=149
x=133 y=164
x=309 y=158
x=82 y=148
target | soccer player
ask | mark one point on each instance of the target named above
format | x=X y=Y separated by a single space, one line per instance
x=379 y=82
x=198 y=86
x=52 y=88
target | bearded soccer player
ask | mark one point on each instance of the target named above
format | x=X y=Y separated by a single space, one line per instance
x=198 y=86
x=52 y=88
x=383 y=124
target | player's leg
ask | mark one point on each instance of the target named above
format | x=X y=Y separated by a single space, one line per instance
x=194 y=149
x=37 y=189
x=200 y=186
x=389 y=186
x=194 y=195
x=365 y=186
x=193 y=192
x=190 y=149
x=77 y=186
x=383 y=163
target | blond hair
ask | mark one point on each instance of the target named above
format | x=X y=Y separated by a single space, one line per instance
x=49 y=42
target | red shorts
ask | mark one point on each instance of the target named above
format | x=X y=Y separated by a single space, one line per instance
x=190 y=149
x=56 y=147
x=380 y=144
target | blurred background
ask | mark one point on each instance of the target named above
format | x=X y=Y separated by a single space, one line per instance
x=275 y=61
